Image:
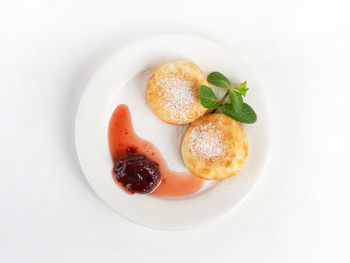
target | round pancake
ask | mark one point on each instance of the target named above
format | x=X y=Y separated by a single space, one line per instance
x=214 y=147
x=173 y=92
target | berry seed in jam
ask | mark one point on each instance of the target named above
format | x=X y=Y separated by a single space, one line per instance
x=137 y=173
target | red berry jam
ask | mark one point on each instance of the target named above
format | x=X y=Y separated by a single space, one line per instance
x=123 y=141
x=137 y=173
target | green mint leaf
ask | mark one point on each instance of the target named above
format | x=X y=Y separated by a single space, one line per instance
x=236 y=100
x=228 y=110
x=246 y=115
x=242 y=88
x=208 y=98
x=218 y=80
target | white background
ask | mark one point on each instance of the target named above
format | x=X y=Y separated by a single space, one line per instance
x=299 y=212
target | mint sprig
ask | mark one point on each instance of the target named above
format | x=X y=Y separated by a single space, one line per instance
x=237 y=109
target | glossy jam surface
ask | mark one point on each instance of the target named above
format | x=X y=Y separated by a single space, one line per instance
x=122 y=139
x=137 y=174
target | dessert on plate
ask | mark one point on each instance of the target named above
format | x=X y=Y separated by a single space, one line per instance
x=214 y=146
x=173 y=92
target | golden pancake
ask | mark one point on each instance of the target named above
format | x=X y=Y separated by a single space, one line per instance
x=214 y=147
x=173 y=92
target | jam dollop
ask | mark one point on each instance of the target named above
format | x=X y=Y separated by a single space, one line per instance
x=137 y=173
x=123 y=140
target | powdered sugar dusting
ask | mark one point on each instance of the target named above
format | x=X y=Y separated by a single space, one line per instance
x=206 y=142
x=178 y=94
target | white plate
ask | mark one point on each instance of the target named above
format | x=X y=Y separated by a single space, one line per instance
x=122 y=79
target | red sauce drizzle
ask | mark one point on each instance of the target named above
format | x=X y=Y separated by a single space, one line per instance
x=122 y=138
